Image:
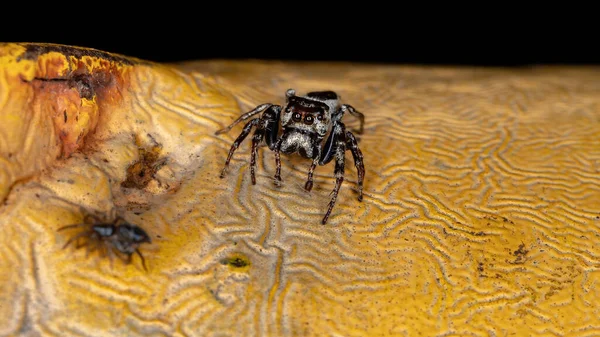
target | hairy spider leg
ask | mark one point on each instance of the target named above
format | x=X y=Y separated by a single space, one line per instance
x=309 y=181
x=111 y=255
x=238 y=141
x=142 y=258
x=126 y=258
x=276 y=149
x=256 y=139
x=95 y=218
x=339 y=137
x=92 y=245
x=77 y=237
x=119 y=220
x=72 y=226
x=352 y=145
x=361 y=117
x=103 y=249
x=244 y=117
x=267 y=130
x=114 y=215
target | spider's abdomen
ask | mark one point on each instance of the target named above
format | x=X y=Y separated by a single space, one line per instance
x=323 y=95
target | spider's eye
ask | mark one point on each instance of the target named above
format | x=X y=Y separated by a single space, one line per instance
x=308 y=120
x=320 y=117
x=297 y=117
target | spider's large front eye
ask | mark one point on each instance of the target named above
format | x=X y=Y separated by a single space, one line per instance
x=320 y=117
x=308 y=120
x=297 y=117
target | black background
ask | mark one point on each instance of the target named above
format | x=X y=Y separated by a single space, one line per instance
x=307 y=35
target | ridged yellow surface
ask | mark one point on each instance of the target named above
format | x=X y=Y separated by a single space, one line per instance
x=480 y=215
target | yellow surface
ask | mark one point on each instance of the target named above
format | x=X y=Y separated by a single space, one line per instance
x=480 y=215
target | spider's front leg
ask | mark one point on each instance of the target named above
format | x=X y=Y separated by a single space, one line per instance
x=309 y=181
x=335 y=148
x=245 y=132
x=266 y=129
x=245 y=116
x=316 y=157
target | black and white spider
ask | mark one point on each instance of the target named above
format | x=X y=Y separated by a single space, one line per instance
x=310 y=126
x=111 y=238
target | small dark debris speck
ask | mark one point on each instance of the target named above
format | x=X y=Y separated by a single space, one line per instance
x=520 y=254
x=521 y=250
x=236 y=261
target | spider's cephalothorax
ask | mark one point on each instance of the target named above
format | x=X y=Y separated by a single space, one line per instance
x=118 y=235
x=310 y=126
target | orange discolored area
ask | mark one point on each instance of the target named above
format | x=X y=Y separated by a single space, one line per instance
x=66 y=89
x=73 y=86
x=72 y=107
x=480 y=214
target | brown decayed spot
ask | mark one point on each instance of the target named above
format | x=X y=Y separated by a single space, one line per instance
x=140 y=173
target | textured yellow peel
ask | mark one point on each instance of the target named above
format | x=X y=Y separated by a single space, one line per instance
x=480 y=215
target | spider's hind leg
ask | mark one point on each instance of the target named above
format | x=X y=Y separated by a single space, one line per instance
x=76 y=238
x=72 y=226
x=355 y=113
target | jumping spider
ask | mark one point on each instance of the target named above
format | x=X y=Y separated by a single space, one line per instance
x=302 y=129
x=117 y=235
